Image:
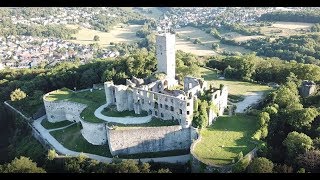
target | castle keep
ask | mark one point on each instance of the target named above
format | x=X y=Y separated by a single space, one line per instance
x=158 y=97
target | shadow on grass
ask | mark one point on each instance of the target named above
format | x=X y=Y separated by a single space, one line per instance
x=238 y=123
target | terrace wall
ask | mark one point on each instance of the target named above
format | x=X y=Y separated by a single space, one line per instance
x=94 y=133
x=149 y=139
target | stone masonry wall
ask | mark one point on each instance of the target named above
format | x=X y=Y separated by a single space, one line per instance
x=149 y=139
x=63 y=110
x=94 y=133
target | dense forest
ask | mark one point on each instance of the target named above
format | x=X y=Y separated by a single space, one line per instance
x=253 y=68
x=292 y=16
x=301 y=48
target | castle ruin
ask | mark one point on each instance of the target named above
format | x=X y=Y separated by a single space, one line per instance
x=157 y=97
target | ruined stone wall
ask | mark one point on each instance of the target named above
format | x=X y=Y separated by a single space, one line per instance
x=220 y=99
x=63 y=110
x=164 y=106
x=149 y=139
x=307 y=90
x=94 y=133
x=109 y=91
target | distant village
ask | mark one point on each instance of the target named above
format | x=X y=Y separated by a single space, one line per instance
x=81 y=16
x=28 y=52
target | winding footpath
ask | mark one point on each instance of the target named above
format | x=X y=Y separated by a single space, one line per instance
x=249 y=100
x=122 y=120
x=62 y=150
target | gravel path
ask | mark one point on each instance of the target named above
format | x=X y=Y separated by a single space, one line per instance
x=122 y=120
x=250 y=99
x=62 y=150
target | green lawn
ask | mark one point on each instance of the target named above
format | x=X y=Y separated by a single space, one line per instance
x=111 y=111
x=236 y=88
x=155 y=122
x=156 y=154
x=226 y=138
x=93 y=100
x=72 y=139
x=48 y=125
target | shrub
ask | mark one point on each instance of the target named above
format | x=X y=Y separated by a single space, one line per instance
x=241 y=166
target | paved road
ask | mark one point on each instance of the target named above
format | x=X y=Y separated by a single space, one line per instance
x=122 y=120
x=250 y=99
x=62 y=150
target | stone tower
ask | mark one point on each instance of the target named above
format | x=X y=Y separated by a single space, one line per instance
x=165 y=53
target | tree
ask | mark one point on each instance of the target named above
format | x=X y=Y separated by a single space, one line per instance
x=263 y=118
x=17 y=95
x=241 y=166
x=297 y=143
x=302 y=118
x=285 y=98
x=260 y=165
x=128 y=166
x=279 y=168
x=51 y=154
x=22 y=165
x=96 y=38
x=310 y=161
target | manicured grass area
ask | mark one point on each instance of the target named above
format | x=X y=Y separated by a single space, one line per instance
x=48 y=125
x=111 y=111
x=118 y=34
x=155 y=122
x=236 y=88
x=93 y=100
x=156 y=154
x=72 y=139
x=59 y=94
x=226 y=138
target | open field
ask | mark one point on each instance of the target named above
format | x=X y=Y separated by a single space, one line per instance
x=93 y=99
x=72 y=139
x=48 y=125
x=226 y=138
x=196 y=49
x=292 y=25
x=286 y=29
x=206 y=47
x=239 y=37
x=117 y=34
x=237 y=88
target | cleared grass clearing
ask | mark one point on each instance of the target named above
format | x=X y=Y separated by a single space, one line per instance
x=72 y=139
x=237 y=88
x=48 y=125
x=117 y=34
x=93 y=100
x=226 y=138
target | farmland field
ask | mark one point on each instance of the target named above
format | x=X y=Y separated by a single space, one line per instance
x=201 y=49
x=286 y=29
x=117 y=34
